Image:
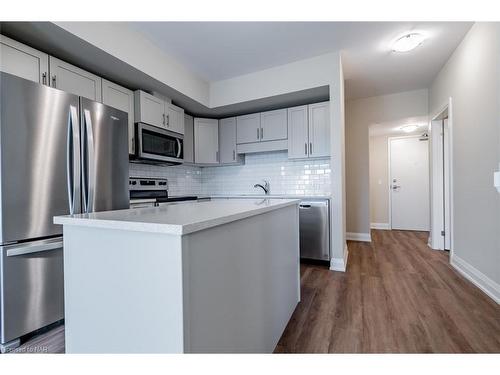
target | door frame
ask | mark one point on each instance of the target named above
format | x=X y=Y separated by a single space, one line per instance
x=389 y=174
x=437 y=208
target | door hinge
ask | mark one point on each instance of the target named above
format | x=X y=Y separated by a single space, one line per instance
x=442 y=233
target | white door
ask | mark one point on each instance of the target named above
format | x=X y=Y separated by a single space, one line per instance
x=273 y=125
x=446 y=185
x=227 y=140
x=298 y=141
x=123 y=99
x=74 y=80
x=23 y=61
x=206 y=141
x=174 y=118
x=319 y=129
x=409 y=183
x=248 y=128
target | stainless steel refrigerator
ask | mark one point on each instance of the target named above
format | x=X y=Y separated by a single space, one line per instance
x=59 y=154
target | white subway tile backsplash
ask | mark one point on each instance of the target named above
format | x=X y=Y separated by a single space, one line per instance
x=295 y=177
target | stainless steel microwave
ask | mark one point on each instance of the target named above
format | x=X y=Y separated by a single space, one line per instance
x=158 y=145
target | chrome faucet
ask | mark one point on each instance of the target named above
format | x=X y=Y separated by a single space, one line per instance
x=266 y=187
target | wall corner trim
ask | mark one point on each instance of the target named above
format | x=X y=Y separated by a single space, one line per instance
x=380 y=226
x=340 y=264
x=479 y=279
x=364 y=237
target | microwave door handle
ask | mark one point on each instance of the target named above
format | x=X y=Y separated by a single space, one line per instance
x=179 y=144
x=90 y=160
x=73 y=161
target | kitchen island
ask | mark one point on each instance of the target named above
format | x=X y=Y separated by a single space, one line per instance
x=209 y=277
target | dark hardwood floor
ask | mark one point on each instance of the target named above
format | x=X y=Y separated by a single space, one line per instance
x=397 y=296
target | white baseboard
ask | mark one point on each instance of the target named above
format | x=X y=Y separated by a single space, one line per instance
x=479 y=279
x=365 y=237
x=381 y=226
x=340 y=264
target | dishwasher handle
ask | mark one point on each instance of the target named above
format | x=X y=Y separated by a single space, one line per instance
x=306 y=205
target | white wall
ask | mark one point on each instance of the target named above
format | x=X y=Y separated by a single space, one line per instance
x=379 y=177
x=360 y=114
x=471 y=77
x=130 y=46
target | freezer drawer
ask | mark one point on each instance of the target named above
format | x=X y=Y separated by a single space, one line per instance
x=314 y=217
x=32 y=287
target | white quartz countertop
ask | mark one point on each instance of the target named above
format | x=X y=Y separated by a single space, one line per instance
x=177 y=219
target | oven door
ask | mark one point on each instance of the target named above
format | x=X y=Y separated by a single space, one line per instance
x=159 y=145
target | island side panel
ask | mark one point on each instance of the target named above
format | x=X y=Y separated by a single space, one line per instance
x=123 y=291
x=241 y=283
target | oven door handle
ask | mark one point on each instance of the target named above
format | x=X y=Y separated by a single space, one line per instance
x=179 y=144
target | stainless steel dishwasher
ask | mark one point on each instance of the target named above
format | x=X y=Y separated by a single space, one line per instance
x=314 y=218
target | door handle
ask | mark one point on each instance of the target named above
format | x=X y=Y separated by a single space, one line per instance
x=88 y=198
x=234 y=155
x=310 y=148
x=395 y=187
x=44 y=78
x=305 y=206
x=261 y=133
x=258 y=133
x=73 y=161
x=305 y=148
x=168 y=120
x=24 y=249
x=54 y=78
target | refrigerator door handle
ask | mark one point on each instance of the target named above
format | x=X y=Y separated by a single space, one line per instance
x=73 y=161
x=89 y=182
x=38 y=247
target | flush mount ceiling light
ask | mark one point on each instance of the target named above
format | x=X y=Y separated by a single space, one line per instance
x=408 y=42
x=408 y=128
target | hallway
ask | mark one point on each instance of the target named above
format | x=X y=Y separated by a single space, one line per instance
x=397 y=296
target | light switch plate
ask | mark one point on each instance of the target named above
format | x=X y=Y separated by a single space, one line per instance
x=496 y=180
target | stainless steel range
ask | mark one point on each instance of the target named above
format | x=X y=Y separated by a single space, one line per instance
x=59 y=154
x=146 y=192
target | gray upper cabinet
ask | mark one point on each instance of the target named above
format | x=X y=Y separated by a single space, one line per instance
x=309 y=131
x=174 y=118
x=248 y=128
x=298 y=141
x=74 y=80
x=319 y=129
x=149 y=109
x=206 y=141
x=188 y=139
x=155 y=111
x=123 y=99
x=227 y=142
x=20 y=60
x=273 y=125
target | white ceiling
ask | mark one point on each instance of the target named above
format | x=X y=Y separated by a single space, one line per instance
x=393 y=128
x=220 y=50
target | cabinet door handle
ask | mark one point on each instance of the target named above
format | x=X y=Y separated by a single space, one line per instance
x=54 y=78
x=234 y=155
x=168 y=120
x=163 y=120
x=217 y=156
x=310 y=148
x=44 y=78
x=258 y=133
x=305 y=148
x=261 y=133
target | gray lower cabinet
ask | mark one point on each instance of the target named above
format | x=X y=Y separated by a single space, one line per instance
x=74 y=80
x=206 y=141
x=123 y=99
x=188 y=139
x=227 y=142
x=23 y=61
